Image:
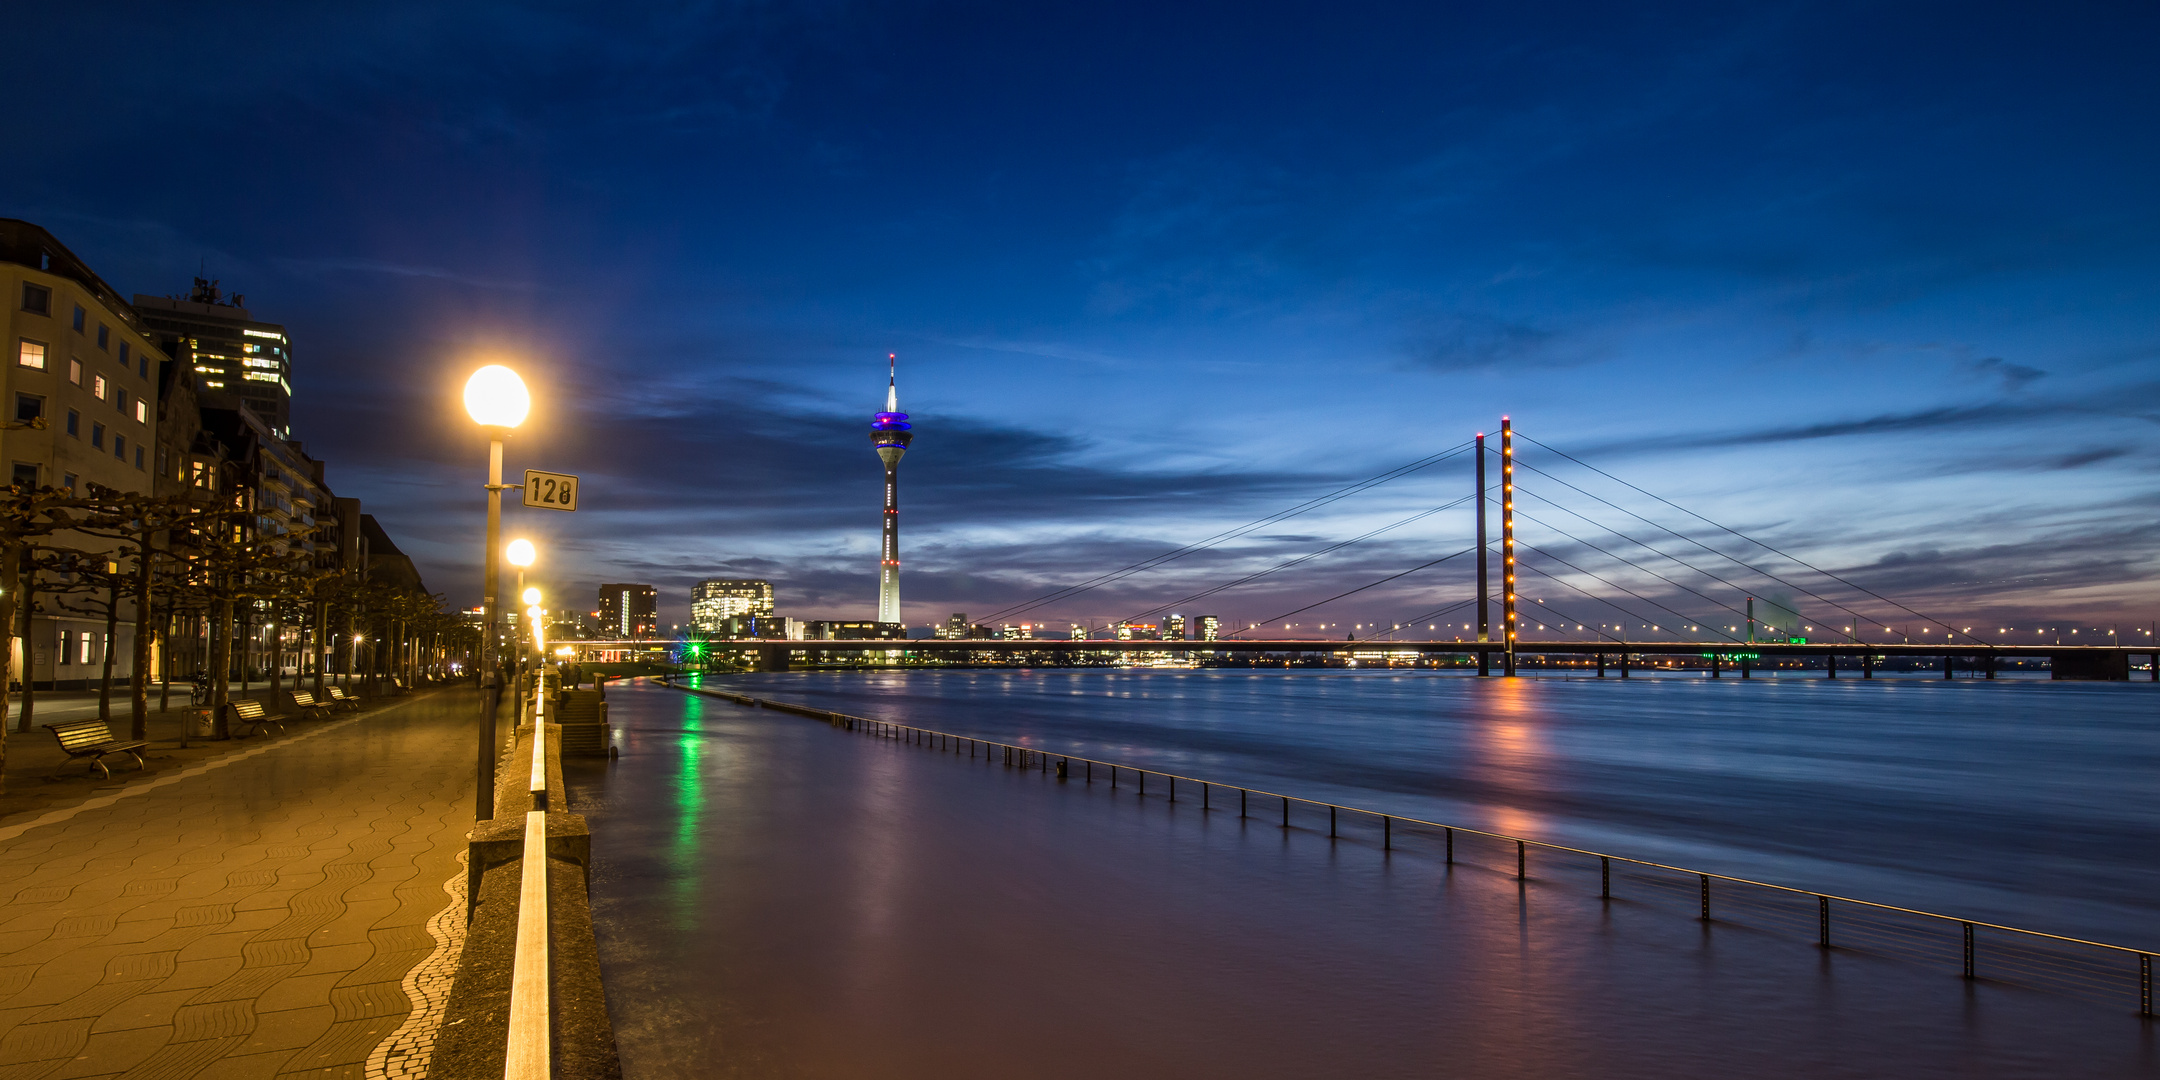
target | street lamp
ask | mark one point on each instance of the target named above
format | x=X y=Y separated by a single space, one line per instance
x=496 y=400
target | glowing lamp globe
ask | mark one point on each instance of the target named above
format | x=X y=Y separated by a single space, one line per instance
x=496 y=397
x=520 y=553
x=532 y=599
x=533 y=613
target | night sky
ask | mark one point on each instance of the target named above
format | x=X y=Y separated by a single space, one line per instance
x=1874 y=284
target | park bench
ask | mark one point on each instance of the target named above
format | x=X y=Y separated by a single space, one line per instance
x=397 y=684
x=91 y=739
x=304 y=702
x=251 y=713
x=339 y=699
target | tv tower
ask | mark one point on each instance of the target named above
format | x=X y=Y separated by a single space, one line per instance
x=890 y=433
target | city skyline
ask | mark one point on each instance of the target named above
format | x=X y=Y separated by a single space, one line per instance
x=1823 y=275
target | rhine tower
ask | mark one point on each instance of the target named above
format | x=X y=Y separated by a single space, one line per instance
x=890 y=433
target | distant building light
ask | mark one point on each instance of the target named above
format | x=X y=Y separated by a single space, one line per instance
x=264 y=333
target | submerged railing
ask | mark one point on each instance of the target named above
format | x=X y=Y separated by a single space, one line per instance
x=2090 y=969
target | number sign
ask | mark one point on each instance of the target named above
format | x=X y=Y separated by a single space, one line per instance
x=550 y=490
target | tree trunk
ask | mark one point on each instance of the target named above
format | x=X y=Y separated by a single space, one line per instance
x=247 y=647
x=165 y=688
x=112 y=630
x=139 y=703
x=277 y=652
x=10 y=571
x=24 y=595
x=322 y=623
x=220 y=663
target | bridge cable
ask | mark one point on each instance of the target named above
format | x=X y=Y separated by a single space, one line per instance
x=1736 y=586
x=1592 y=596
x=1947 y=628
x=1230 y=534
x=1369 y=585
x=1614 y=584
x=1518 y=513
x=1300 y=559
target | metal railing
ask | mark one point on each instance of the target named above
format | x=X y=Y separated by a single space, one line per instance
x=2090 y=969
x=527 y=1055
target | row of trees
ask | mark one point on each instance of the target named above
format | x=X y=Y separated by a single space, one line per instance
x=195 y=568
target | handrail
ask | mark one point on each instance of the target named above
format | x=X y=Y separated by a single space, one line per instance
x=2145 y=956
x=527 y=1055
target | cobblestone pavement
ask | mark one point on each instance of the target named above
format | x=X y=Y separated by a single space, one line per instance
x=258 y=915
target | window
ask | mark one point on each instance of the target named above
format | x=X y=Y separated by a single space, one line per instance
x=119 y=446
x=142 y=411
x=28 y=407
x=142 y=365
x=79 y=313
x=74 y=371
x=26 y=474
x=68 y=481
x=97 y=436
x=138 y=459
x=123 y=355
x=97 y=387
x=120 y=399
x=36 y=299
x=67 y=646
x=31 y=354
x=104 y=335
x=74 y=423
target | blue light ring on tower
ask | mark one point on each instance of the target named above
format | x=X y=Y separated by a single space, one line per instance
x=890 y=421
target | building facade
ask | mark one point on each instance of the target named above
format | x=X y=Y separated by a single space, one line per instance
x=629 y=611
x=714 y=601
x=238 y=361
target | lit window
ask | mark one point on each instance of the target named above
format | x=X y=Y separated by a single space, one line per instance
x=74 y=371
x=259 y=376
x=31 y=354
x=97 y=436
x=97 y=387
x=142 y=411
x=36 y=299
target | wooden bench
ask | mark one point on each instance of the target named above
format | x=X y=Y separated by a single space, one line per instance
x=251 y=713
x=307 y=705
x=91 y=739
x=339 y=699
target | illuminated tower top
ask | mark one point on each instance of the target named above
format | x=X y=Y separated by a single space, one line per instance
x=890 y=431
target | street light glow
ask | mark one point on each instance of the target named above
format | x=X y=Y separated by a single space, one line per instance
x=520 y=553
x=496 y=397
x=532 y=597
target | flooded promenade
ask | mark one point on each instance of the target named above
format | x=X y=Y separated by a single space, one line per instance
x=777 y=897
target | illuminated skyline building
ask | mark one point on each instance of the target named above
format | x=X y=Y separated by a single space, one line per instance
x=714 y=601
x=890 y=433
x=629 y=611
x=237 y=360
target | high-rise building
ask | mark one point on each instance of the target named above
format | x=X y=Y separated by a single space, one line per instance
x=955 y=627
x=714 y=601
x=1173 y=628
x=1210 y=627
x=890 y=433
x=629 y=611
x=238 y=361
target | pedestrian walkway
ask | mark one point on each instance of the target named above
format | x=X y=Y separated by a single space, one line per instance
x=252 y=915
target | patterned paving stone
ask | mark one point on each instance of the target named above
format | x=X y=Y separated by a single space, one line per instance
x=261 y=915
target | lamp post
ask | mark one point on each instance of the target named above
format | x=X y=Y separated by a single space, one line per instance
x=496 y=400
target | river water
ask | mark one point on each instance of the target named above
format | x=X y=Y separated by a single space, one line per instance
x=776 y=897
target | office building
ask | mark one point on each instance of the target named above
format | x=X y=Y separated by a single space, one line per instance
x=714 y=601
x=854 y=630
x=1173 y=628
x=955 y=628
x=1210 y=627
x=237 y=361
x=629 y=612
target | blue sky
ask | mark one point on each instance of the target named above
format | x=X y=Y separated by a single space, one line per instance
x=1873 y=284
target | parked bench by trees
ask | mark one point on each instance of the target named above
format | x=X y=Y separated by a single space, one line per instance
x=251 y=713
x=90 y=738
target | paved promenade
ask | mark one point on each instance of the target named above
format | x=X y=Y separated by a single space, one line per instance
x=263 y=913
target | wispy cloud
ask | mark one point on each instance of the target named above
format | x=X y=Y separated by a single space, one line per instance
x=317 y=266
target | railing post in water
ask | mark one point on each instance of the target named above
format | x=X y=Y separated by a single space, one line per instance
x=2145 y=984
x=1451 y=847
x=1173 y=788
x=1705 y=896
x=1241 y=802
x=1968 y=951
x=1387 y=833
x=1286 y=811
x=1604 y=877
x=1143 y=783
x=1090 y=772
x=1522 y=858
x=1331 y=821
x=1822 y=910
x=1203 y=795
x=1113 y=778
